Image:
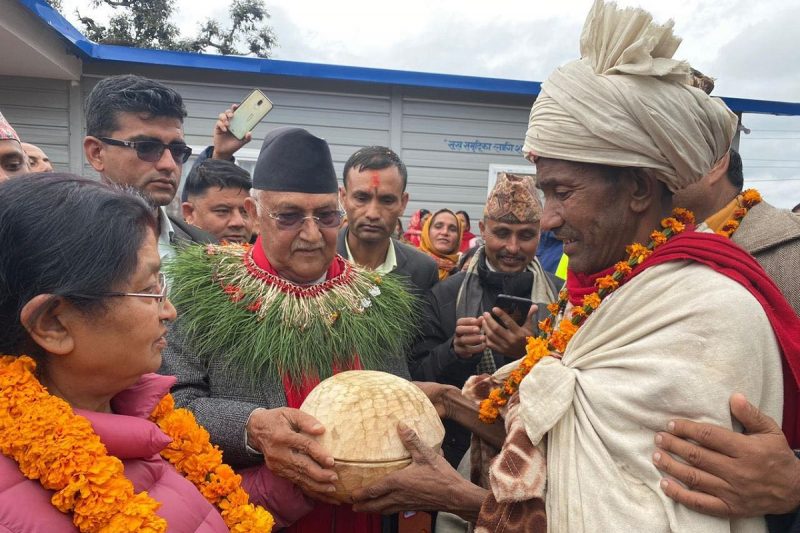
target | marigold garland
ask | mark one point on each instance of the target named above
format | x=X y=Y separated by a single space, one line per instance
x=51 y=443
x=747 y=200
x=554 y=341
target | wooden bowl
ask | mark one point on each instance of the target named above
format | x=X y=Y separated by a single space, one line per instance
x=360 y=410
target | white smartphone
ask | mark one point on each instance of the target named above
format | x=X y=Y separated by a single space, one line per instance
x=249 y=113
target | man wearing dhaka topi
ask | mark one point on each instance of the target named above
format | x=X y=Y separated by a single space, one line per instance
x=657 y=321
x=261 y=325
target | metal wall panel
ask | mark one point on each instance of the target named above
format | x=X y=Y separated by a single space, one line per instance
x=38 y=109
x=448 y=146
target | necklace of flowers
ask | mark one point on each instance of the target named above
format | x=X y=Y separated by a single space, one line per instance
x=59 y=448
x=748 y=199
x=554 y=341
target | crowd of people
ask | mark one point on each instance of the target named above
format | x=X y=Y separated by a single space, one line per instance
x=152 y=366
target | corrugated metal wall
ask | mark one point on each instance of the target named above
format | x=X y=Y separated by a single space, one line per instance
x=38 y=109
x=447 y=139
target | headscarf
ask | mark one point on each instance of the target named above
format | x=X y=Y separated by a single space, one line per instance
x=445 y=262
x=627 y=103
x=414 y=230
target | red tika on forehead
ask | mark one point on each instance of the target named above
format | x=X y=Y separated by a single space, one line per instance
x=375 y=180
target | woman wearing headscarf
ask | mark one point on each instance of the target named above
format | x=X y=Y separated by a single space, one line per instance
x=89 y=436
x=412 y=234
x=441 y=239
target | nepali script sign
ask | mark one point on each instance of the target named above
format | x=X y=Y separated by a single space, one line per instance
x=479 y=146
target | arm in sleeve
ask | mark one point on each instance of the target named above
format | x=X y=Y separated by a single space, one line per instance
x=432 y=357
x=224 y=419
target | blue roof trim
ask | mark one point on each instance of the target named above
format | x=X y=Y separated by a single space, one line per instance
x=91 y=51
x=764 y=107
x=62 y=26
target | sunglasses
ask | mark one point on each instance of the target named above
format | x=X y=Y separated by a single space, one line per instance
x=151 y=151
x=294 y=221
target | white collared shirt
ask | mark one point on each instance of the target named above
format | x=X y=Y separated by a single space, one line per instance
x=389 y=264
x=165 y=247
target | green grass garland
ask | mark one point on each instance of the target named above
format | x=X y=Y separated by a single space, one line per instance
x=289 y=334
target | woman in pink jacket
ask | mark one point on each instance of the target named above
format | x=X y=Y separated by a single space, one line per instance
x=88 y=436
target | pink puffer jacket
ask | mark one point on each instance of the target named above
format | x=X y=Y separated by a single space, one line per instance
x=25 y=506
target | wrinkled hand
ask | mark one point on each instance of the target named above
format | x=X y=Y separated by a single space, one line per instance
x=468 y=340
x=511 y=339
x=225 y=144
x=437 y=394
x=429 y=483
x=730 y=474
x=285 y=437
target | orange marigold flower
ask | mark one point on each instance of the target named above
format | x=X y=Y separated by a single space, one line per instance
x=638 y=252
x=739 y=212
x=607 y=282
x=488 y=412
x=750 y=197
x=623 y=267
x=592 y=301
x=546 y=325
x=730 y=226
x=658 y=238
x=673 y=224
x=579 y=312
x=553 y=308
x=683 y=215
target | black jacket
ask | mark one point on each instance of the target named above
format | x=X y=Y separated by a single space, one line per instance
x=418 y=268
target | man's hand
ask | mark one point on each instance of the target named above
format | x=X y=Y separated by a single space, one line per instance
x=225 y=144
x=730 y=474
x=468 y=340
x=506 y=336
x=437 y=394
x=285 y=437
x=429 y=483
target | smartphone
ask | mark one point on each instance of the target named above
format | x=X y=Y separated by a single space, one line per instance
x=515 y=307
x=249 y=113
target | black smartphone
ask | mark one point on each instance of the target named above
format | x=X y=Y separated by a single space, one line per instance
x=515 y=307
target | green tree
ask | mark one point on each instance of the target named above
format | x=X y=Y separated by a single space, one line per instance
x=146 y=24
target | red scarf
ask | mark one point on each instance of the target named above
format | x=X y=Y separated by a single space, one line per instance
x=324 y=517
x=723 y=256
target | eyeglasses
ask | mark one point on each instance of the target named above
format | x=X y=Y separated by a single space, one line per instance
x=294 y=221
x=160 y=297
x=151 y=151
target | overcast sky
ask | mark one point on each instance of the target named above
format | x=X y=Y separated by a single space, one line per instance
x=750 y=47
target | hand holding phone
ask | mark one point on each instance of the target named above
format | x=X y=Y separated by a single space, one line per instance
x=515 y=307
x=249 y=113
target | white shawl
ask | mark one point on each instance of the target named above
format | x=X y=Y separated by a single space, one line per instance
x=674 y=342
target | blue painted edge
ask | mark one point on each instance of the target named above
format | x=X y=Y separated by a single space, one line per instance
x=91 y=51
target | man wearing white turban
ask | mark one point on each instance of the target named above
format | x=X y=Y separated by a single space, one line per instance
x=643 y=333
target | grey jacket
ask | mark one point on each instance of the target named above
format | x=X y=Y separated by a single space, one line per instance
x=418 y=268
x=772 y=236
x=222 y=397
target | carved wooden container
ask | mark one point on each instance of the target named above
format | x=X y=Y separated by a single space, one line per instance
x=360 y=410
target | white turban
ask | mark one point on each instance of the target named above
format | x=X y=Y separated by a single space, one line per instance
x=627 y=103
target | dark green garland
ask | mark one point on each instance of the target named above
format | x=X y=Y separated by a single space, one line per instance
x=272 y=341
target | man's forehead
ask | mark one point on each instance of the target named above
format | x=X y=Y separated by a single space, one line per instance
x=299 y=200
x=10 y=147
x=143 y=125
x=219 y=195
x=386 y=180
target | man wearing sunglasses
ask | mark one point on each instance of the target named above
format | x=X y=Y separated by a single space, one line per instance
x=134 y=138
x=260 y=325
